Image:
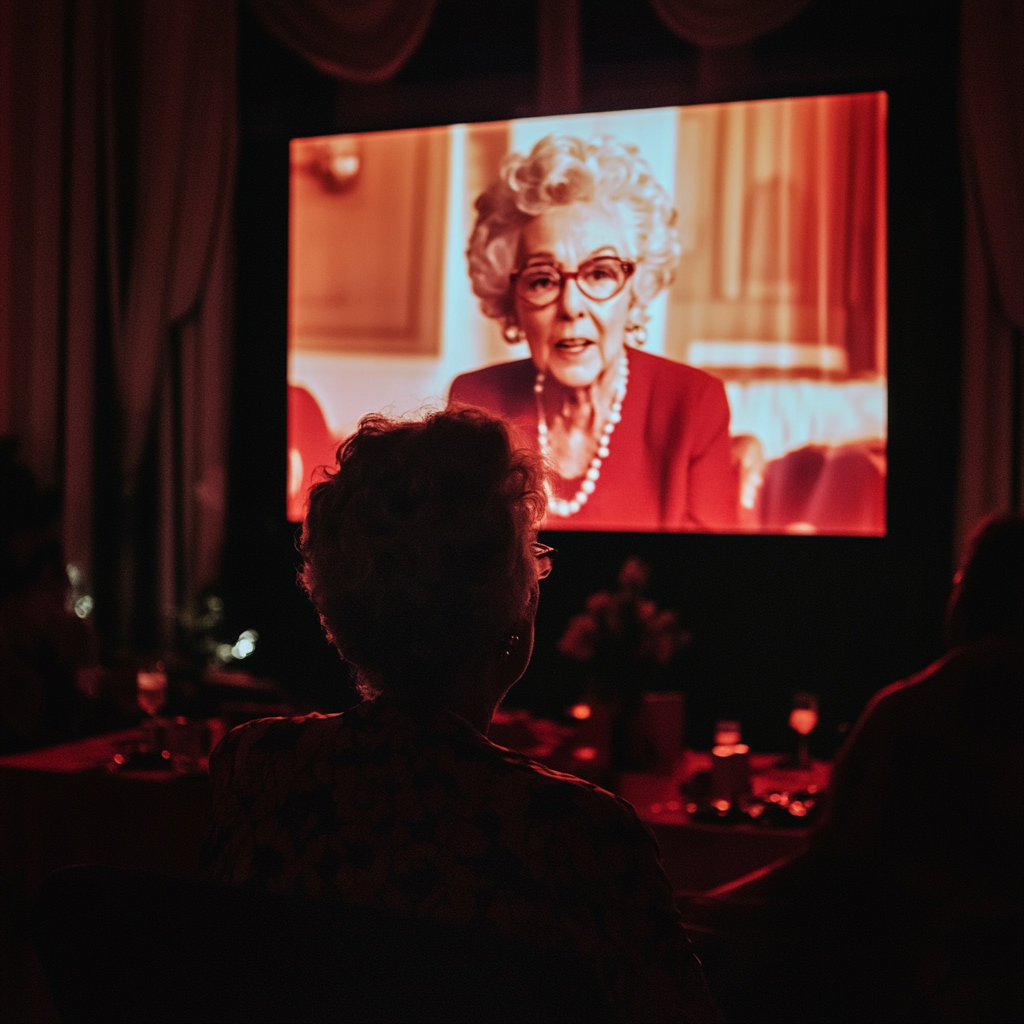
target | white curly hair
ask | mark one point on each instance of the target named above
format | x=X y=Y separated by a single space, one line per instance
x=559 y=170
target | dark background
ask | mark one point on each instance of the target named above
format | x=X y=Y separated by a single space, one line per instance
x=769 y=615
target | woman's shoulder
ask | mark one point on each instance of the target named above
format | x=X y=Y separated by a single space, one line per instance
x=558 y=796
x=668 y=375
x=267 y=739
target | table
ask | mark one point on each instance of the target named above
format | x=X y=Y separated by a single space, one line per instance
x=61 y=806
x=699 y=856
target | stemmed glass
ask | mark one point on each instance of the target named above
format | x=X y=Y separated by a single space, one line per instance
x=151 y=694
x=803 y=719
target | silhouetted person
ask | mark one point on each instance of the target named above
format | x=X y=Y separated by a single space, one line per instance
x=420 y=555
x=908 y=904
x=42 y=643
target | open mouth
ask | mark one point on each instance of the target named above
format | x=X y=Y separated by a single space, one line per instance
x=573 y=346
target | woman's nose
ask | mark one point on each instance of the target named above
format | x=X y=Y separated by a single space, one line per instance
x=572 y=302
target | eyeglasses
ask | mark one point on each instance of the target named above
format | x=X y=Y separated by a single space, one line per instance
x=545 y=556
x=599 y=279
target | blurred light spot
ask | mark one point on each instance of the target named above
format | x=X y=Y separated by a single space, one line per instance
x=74 y=574
x=224 y=654
x=581 y=711
x=728 y=749
x=84 y=606
x=802 y=528
x=722 y=806
x=797 y=809
x=296 y=472
x=691 y=808
x=585 y=753
x=803 y=720
x=245 y=644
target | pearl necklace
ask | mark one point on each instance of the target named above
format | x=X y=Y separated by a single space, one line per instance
x=561 y=506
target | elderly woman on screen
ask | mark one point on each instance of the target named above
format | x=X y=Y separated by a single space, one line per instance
x=570 y=245
x=420 y=554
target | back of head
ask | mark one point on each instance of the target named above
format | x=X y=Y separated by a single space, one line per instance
x=416 y=547
x=988 y=591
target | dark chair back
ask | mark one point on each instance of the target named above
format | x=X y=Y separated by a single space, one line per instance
x=121 y=945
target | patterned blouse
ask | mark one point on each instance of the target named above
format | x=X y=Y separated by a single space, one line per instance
x=428 y=817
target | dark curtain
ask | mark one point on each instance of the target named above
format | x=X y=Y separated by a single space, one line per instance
x=992 y=146
x=121 y=146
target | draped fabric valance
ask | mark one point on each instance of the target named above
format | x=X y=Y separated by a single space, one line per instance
x=369 y=40
x=725 y=23
x=355 y=40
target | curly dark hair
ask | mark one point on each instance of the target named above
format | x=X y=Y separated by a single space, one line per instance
x=416 y=548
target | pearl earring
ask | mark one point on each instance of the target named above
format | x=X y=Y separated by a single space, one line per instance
x=513 y=333
x=637 y=334
x=636 y=331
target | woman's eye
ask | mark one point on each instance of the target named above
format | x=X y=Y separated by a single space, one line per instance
x=540 y=281
x=601 y=272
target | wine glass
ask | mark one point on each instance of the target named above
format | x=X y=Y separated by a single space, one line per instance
x=151 y=694
x=803 y=720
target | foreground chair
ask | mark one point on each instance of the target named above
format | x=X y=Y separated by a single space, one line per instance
x=121 y=945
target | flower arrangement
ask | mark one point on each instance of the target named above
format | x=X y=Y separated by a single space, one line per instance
x=623 y=637
x=627 y=645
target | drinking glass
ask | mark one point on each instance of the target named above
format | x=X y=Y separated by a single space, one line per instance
x=803 y=720
x=151 y=694
x=727 y=733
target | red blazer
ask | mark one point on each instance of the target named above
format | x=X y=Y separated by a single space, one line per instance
x=669 y=465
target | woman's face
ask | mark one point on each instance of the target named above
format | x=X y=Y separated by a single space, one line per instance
x=575 y=338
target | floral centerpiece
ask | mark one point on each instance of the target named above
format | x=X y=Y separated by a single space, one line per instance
x=627 y=645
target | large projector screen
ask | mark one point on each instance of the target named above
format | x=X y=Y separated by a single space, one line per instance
x=684 y=308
